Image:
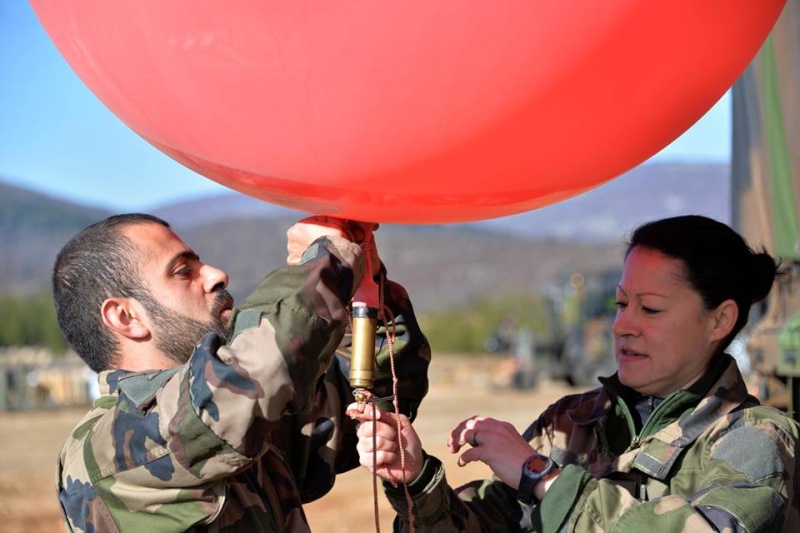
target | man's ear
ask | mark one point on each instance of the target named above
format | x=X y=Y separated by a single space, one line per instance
x=724 y=319
x=126 y=317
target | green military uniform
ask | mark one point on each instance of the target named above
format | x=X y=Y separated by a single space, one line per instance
x=242 y=434
x=709 y=458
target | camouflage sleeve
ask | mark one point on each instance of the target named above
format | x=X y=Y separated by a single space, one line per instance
x=322 y=443
x=487 y=505
x=481 y=505
x=746 y=482
x=217 y=412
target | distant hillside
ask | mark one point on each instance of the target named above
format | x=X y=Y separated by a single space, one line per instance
x=440 y=265
x=603 y=214
x=611 y=211
x=24 y=210
x=221 y=207
x=33 y=227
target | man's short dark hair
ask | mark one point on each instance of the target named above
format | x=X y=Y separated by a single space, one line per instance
x=96 y=264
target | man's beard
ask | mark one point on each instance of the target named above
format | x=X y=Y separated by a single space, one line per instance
x=177 y=335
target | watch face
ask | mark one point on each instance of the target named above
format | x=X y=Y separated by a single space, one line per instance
x=538 y=464
x=534 y=470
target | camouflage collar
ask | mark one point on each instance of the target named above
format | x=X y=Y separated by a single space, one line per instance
x=680 y=418
x=137 y=386
x=681 y=401
x=659 y=451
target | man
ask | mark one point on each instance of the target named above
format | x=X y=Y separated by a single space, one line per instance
x=193 y=432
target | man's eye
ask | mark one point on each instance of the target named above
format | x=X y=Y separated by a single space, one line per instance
x=184 y=271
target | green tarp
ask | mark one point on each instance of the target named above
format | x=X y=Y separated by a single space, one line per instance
x=766 y=142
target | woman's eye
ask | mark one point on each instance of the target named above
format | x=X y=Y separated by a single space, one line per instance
x=620 y=305
x=650 y=310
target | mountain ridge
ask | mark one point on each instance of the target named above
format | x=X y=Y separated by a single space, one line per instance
x=449 y=264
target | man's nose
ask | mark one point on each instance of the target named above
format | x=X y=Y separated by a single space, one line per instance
x=214 y=279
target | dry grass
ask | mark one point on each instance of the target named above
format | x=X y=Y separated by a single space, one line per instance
x=461 y=387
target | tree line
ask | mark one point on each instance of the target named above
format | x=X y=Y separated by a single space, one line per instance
x=31 y=321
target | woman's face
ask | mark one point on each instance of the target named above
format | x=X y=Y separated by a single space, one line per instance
x=664 y=337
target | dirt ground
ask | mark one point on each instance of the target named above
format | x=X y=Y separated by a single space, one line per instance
x=460 y=387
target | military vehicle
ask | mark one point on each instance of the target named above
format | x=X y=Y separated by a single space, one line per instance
x=587 y=312
x=766 y=202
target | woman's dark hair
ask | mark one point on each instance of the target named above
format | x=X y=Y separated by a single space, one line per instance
x=719 y=264
x=96 y=264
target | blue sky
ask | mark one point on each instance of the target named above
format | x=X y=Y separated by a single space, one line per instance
x=56 y=137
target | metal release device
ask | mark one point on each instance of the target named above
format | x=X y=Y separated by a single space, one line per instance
x=364 y=321
x=362 y=355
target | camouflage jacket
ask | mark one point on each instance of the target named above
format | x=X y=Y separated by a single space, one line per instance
x=242 y=434
x=705 y=459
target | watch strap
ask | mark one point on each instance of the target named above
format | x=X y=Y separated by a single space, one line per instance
x=534 y=469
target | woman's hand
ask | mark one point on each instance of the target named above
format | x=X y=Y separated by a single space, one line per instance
x=494 y=442
x=379 y=446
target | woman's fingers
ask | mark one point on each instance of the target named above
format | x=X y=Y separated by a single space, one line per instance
x=465 y=432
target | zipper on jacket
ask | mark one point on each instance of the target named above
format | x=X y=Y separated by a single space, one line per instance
x=651 y=404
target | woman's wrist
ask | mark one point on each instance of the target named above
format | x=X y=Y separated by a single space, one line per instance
x=541 y=488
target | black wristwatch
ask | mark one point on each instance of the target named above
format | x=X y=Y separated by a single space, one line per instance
x=534 y=469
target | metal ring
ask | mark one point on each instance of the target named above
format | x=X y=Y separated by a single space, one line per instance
x=474 y=439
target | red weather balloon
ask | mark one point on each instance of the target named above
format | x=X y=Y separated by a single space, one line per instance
x=421 y=111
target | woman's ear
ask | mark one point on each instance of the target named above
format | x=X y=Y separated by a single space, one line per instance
x=724 y=319
x=126 y=317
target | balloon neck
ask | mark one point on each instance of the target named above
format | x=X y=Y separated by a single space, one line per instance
x=367 y=293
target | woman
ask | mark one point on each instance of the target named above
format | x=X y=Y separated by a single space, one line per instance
x=671 y=442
